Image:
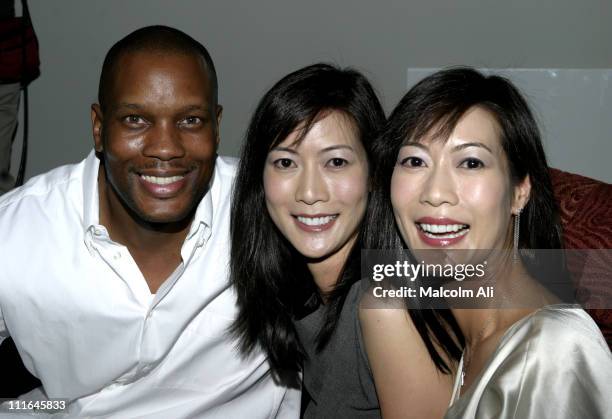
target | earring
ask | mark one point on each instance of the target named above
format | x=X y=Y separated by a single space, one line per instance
x=517 y=226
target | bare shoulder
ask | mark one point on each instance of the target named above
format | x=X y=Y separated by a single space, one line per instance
x=369 y=304
x=408 y=383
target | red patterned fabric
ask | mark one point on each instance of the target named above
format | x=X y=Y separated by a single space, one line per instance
x=586 y=214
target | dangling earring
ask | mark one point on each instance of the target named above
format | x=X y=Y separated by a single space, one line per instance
x=517 y=226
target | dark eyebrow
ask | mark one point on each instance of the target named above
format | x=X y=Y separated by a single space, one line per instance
x=288 y=150
x=336 y=147
x=129 y=106
x=472 y=144
x=325 y=150
x=188 y=108
x=416 y=144
x=456 y=148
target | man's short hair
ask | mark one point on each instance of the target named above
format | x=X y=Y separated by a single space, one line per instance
x=153 y=39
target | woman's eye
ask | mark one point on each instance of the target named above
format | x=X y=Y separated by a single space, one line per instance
x=337 y=162
x=283 y=163
x=412 y=162
x=471 y=164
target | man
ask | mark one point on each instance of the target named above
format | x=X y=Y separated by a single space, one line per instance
x=114 y=283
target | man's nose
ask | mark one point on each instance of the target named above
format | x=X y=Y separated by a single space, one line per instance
x=164 y=142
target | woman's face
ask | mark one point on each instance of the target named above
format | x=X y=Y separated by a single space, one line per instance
x=316 y=191
x=457 y=194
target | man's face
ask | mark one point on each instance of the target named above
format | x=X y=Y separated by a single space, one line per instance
x=158 y=135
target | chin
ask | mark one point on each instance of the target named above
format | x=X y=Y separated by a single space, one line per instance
x=165 y=216
x=310 y=253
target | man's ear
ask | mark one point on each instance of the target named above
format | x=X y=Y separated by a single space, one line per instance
x=219 y=113
x=96 y=123
x=522 y=192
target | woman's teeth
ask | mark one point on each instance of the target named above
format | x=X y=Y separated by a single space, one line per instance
x=444 y=231
x=162 y=180
x=316 y=221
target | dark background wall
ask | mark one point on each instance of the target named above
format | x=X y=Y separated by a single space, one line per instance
x=254 y=43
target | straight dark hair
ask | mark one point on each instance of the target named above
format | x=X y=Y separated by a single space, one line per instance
x=432 y=108
x=273 y=284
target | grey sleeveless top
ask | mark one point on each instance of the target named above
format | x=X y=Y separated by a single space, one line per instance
x=338 y=379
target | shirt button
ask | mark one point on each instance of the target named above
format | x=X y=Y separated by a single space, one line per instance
x=97 y=232
x=117 y=256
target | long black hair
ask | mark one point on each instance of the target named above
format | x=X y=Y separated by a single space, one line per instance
x=273 y=284
x=434 y=106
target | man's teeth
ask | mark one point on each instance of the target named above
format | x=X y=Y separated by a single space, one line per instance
x=316 y=221
x=162 y=180
x=444 y=231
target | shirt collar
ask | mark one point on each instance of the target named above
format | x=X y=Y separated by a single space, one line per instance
x=91 y=198
x=204 y=212
x=91 y=204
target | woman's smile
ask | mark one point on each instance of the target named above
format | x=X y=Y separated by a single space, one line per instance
x=316 y=188
x=455 y=192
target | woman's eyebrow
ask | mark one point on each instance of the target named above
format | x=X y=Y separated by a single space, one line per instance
x=416 y=144
x=472 y=144
x=325 y=150
x=286 y=149
x=336 y=147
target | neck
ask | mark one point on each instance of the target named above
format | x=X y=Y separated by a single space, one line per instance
x=326 y=271
x=125 y=227
x=477 y=324
x=516 y=295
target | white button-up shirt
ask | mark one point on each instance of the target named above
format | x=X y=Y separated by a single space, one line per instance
x=86 y=324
